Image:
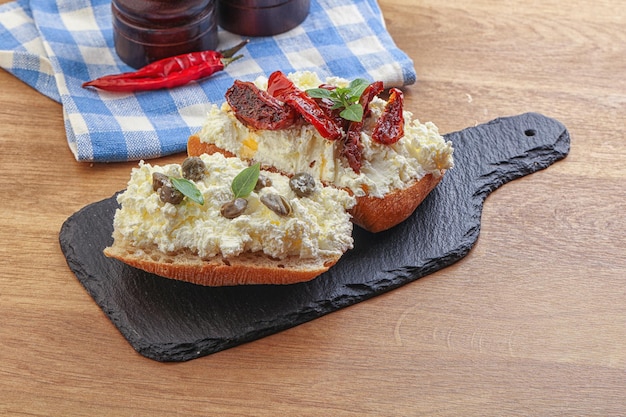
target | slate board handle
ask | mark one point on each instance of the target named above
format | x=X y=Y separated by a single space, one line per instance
x=508 y=148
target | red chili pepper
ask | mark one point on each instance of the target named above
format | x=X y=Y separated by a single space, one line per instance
x=352 y=148
x=282 y=88
x=389 y=127
x=169 y=72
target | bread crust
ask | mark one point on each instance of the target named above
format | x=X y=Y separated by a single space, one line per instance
x=378 y=214
x=195 y=147
x=371 y=213
x=245 y=269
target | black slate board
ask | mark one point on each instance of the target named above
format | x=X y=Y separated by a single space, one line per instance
x=168 y=320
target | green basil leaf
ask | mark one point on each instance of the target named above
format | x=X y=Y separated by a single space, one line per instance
x=245 y=181
x=353 y=113
x=319 y=93
x=357 y=87
x=341 y=91
x=346 y=98
x=188 y=189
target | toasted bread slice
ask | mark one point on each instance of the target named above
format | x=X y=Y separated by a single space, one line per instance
x=197 y=242
x=377 y=214
x=247 y=268
x=371 y=213
x=390 y=169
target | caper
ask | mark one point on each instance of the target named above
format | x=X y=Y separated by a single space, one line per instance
x=169 y=194
x=277 y=203
x=303 y=184
x=193 y=168
x=159 y=180
x=262 y=182
x=234 y=208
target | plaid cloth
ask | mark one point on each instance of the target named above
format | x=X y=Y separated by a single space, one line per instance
x=56 y=45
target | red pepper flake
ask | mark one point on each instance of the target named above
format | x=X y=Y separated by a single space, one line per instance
x=169 y=72
x=389 y=127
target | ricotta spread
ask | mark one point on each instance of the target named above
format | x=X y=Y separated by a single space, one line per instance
x=318 y=225
x=301 y=148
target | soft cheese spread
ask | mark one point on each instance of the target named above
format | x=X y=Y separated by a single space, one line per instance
x=318 y=225
x=421 y=151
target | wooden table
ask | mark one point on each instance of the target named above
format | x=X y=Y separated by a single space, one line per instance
x=531 y=322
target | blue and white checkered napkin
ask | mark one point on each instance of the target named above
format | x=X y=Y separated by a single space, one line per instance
x=56 y=45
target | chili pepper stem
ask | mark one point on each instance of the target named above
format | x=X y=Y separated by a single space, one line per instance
x=228 y=53
x=226 y=61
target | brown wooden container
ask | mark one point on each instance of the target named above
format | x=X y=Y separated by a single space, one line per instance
x=261 y=17
x=148 y=30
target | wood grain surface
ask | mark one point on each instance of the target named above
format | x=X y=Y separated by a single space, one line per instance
x=532 y=322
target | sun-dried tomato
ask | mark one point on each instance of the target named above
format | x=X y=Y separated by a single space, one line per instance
x=258 y=109
x=352 y=148
x=326 y=105
x=284 y=89
x=368 y=95
x=389 y=127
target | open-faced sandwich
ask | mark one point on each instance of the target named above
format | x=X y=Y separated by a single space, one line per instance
x=275 y=180
x=341 y=133
x=216 y=220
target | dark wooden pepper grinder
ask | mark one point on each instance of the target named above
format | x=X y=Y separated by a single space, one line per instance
x=148 y=30
x=261 y=17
